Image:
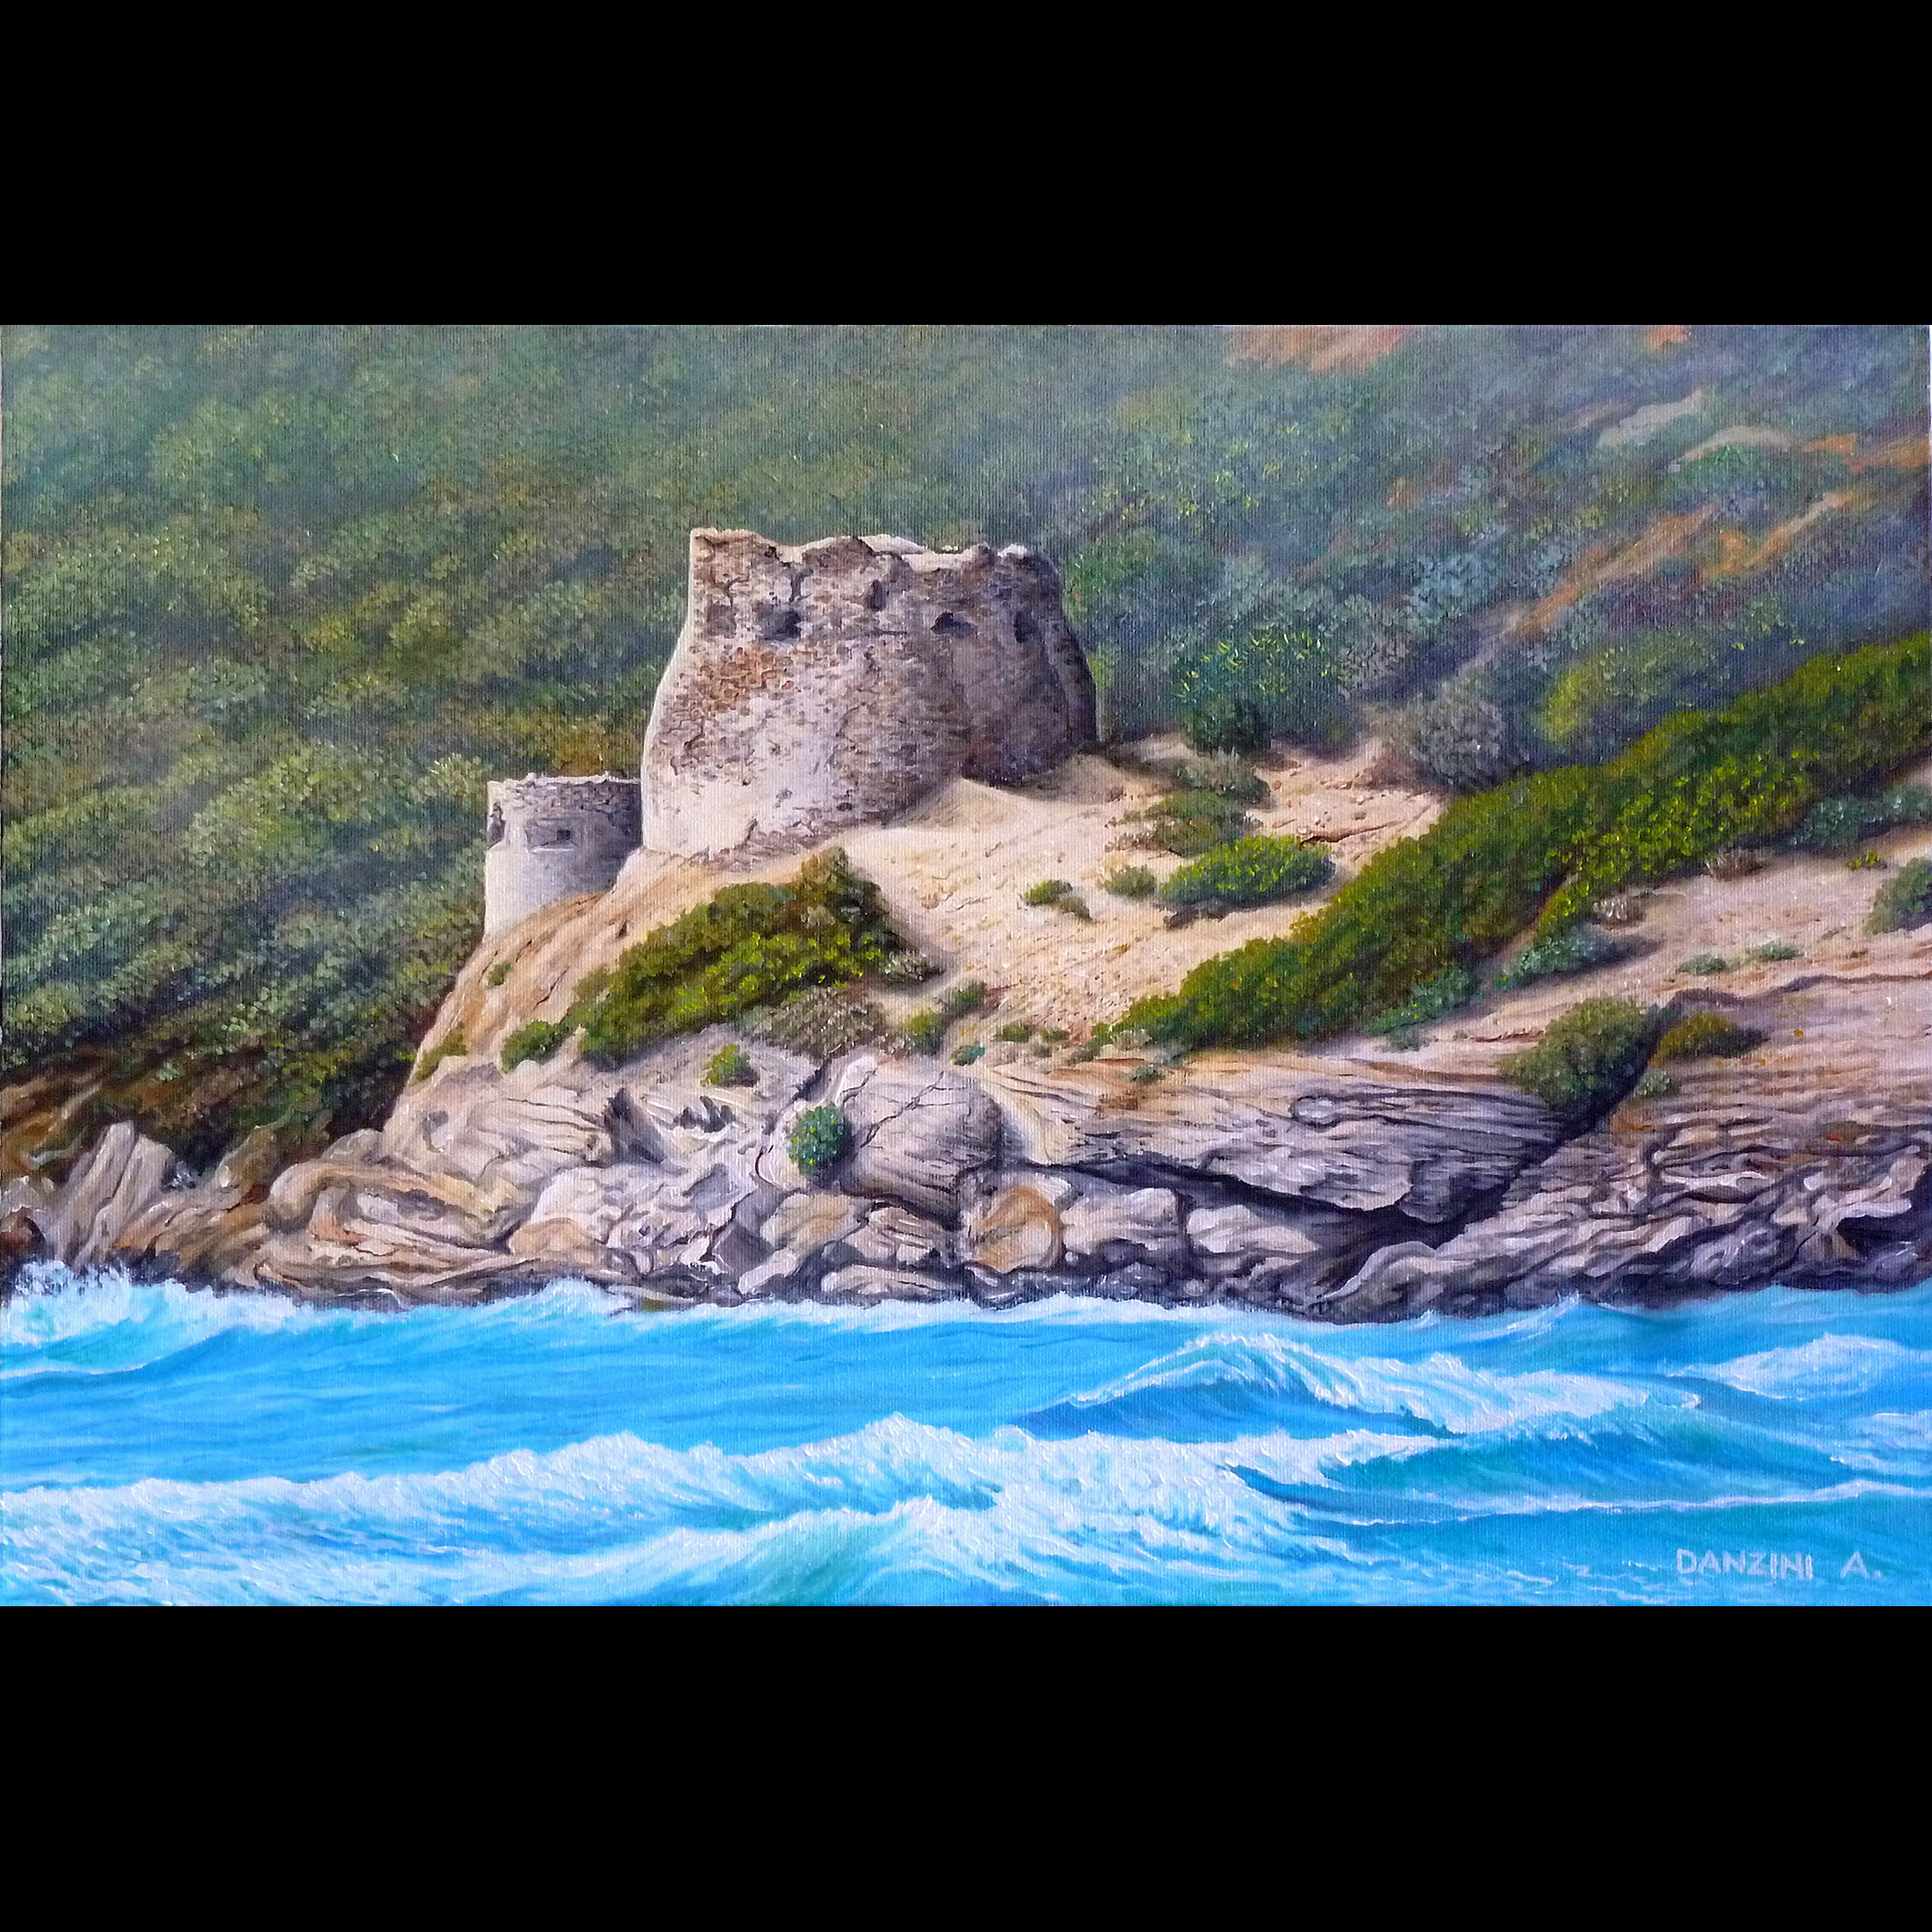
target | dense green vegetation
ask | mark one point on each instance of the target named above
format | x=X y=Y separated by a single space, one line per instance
x=1705 y=1036
x=1587 y=1059
x=1546 y=848
x=278 y=601
x=1904 y=900
x=816 y=1140
x=1257 y=871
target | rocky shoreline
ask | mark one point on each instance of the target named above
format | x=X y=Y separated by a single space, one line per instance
x=1334 y=1189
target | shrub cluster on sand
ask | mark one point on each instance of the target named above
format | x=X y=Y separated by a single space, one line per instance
x=1255 y=871
x=1547 y=847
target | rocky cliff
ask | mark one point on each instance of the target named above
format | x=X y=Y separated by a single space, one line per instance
x=1342 y=1190
x=832 y=684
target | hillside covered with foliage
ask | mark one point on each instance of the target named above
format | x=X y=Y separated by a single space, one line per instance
x=277 y=602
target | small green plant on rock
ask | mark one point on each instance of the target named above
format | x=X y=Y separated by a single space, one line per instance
x=1146 y=1076
x=924 y=1030
x=452 y=1046
x=534 y=1040
x=1587 y=1059
x=1705 y=1036
x=1653 y=1087
x=1772 y=951
x=1131 y=881
x=964 y=1056
x=1905 y=901
x=1704 y=964
x=1016 y=1030
x=730 y=1066
x=497 y=974
x=1866 y=861
x=816 y=1139
x=1227 y=776
x=1055 y=1037
x=963 y=999
x=1189 y=823
x=1046 y=892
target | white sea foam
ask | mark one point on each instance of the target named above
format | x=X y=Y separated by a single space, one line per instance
x=1441 y=1391
x=1833 y=1364
x=1007 y=1512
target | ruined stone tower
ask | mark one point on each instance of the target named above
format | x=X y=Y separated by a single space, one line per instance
x=551 y=839
x=822 y=685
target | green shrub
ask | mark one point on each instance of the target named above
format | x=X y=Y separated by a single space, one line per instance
x=1705 y=1036
x=820 y=1022
x=1046 y=892
x=1450 y=989
x=1055 y=1037
x=1217 y=723
x=1250 y=872
x=817 y=1137
x=1904 y=901
x=1146 y=1076
x=1837 y=824
x=1015 y=1030
x=907 y=968
x=1131 y=881
x=1587 y=1059
x=497 y=974
x=924 y=1030
x=1226 y=775
x=1653 y=1087
x=967 y=997
x=1075 y=907
x=1704 y=964
x=1866 y=861
x=748 y=946
x=1575 y=951
x=964 y=1056
x=730 y=1066
x=1189 y=823
x=534 y=1040
x=1561 y=840
x=452 y=1046
x=1771 y=951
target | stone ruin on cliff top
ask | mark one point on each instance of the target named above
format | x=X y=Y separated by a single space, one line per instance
x=813 y=686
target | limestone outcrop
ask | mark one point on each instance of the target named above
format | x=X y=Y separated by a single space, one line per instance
x=825 y=685
x=1336 y=1189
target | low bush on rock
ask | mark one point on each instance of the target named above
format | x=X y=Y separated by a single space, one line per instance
x=1016 y=1030
x=1587 y=1059
x=1904 y=901
x=1046 y=892
x=925 y=1031
x=730 y=1066
x=497 y=974
x=820 y=1022
x=964 y=1056
x=1226 y=775
x=1705 y=1036
x=1838 y=823
x=1771 y=952
x=1256 y=871
x=534 y=1040
x=816 y=1140
x=452 y=1046
x=1704 y=964
x=1131 y=881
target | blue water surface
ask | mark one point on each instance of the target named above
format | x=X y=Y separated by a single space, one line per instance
x=163 y=1444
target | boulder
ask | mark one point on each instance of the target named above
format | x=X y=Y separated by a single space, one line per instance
x=120 y=1175
x=917 y=1131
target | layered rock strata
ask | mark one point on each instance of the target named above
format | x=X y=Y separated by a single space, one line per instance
x=1338 y=1190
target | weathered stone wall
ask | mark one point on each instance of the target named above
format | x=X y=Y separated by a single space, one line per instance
x=549 y=839
x=830 y=684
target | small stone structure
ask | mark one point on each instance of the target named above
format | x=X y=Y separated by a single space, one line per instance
x=835 y=683
x=550 y=839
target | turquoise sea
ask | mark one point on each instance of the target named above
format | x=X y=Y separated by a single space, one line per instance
x=163 y=1444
